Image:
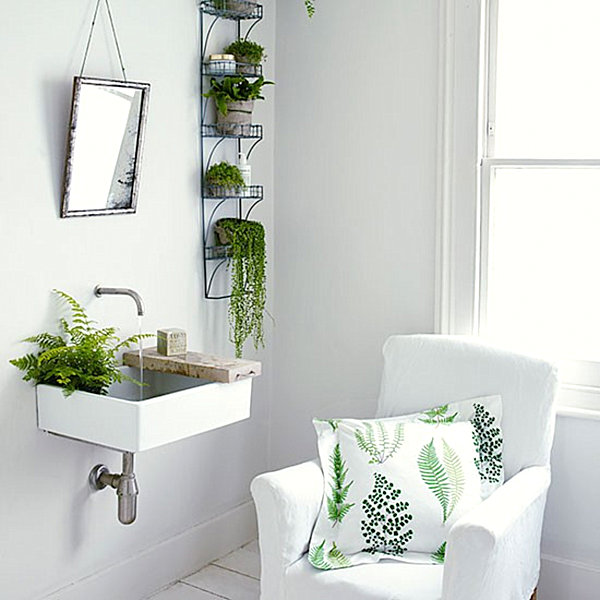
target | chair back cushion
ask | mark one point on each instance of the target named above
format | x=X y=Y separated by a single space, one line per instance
x=424 y=371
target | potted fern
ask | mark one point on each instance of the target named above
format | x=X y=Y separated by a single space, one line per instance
x=248 y=279
x=224 y=179
x=248 y=56
x=234 y=98
x=80 y=357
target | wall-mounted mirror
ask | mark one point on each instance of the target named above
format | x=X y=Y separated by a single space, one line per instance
x=105 y=147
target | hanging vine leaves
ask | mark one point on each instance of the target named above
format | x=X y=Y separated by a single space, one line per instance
x=248 y=281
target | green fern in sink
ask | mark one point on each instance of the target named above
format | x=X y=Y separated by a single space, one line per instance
x=81 y=357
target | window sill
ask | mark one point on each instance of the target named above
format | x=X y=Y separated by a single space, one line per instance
x=578 y=402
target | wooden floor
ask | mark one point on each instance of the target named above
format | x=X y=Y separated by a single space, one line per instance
x=234 y=577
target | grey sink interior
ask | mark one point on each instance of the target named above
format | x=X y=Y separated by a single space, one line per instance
x=156 y=384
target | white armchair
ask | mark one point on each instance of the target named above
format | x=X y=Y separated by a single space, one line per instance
x=493 y=552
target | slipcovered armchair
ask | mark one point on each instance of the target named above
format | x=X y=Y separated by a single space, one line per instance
x=493 y=552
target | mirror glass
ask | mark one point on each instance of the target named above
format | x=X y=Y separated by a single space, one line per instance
x=105 y=143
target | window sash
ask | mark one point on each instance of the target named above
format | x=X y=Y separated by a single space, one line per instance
x=580 y=380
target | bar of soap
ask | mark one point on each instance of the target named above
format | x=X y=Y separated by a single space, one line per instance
x=171 y=341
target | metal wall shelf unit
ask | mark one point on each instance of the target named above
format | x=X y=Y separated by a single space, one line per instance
x=243 y=16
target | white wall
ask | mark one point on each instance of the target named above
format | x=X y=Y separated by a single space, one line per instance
x=53 y=529
x=355 y=211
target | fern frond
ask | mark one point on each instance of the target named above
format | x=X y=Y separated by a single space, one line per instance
x=456 y=476
x=434 y=476
x=316 y=557
x=46 y=341
x=378 y=445
x=439 y=556
x=337 y=559
x=337 y=508
x=398 y=438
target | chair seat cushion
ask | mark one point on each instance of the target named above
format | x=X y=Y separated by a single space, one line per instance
x=386 y=580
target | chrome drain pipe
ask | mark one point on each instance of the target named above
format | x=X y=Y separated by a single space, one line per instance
x=125 y=483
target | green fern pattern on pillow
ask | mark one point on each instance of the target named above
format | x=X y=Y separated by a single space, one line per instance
x=337 y=507
x=385 y=518
x=456 y=477
x=377 y=443
x=488 y=444
x=439 y=556
x=446 y=481
x=438 y=416
x=334 y=559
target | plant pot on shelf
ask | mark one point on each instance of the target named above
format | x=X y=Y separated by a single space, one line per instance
x=223 y=237
x=238 y=115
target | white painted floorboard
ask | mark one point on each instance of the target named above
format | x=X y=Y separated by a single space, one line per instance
x=233 y=577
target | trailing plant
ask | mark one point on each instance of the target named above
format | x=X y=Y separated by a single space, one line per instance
x=248 y=281
x=488 y=443
x=438 y=416
x=235 y=89
x=377 y=443
x=224 y=174
x=246 y=51
x=337 y=507
x=81 y=357
x=334 y=559
x=310 y=7
x=385 y=519
x=446 y=481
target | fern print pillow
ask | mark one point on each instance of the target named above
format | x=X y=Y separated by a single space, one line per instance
x=393 y=489
x=485 y=414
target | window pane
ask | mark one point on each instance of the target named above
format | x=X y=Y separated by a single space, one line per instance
x=548 y=89
x=544 y=254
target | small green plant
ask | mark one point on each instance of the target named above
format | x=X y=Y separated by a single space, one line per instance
x=248 y=280
x=82 y=357
x=310 y=7
x=246 y=51
x=225 y=175
x=235 y=89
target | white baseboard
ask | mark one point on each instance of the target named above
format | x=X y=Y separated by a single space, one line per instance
x=154 y=568
x=564 y=579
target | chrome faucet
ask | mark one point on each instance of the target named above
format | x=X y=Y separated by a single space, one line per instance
x=101 y=291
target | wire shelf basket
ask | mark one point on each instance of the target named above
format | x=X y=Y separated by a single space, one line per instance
x=219 y=192
x=233 y=130
x=236 y=10
x=222 y=68
x=217 y=252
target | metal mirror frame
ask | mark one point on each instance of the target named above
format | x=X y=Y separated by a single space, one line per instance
x=77 y=84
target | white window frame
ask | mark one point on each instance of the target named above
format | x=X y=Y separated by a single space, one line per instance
x=467 y=62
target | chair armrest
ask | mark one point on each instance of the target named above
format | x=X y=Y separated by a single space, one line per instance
x=287 y=505
x=494 y=550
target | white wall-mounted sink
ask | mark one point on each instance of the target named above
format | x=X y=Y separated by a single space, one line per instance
x=173 y=408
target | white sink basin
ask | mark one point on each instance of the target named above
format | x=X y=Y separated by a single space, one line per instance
x=174 y=408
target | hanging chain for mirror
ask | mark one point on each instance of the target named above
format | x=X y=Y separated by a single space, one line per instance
x=114 y=33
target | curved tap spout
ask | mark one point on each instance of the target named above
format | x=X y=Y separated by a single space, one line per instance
x=102 y=291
